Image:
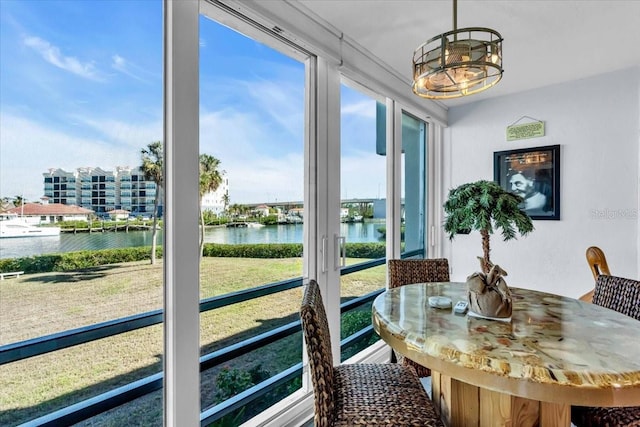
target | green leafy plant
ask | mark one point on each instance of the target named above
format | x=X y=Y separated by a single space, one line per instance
x=352 y=322
x=484 y=206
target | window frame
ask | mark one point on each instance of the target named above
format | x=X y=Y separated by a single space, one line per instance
x=321 y=133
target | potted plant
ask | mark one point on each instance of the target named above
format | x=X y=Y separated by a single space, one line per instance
x=486 y=207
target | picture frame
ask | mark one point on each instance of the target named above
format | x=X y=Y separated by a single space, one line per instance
x=534 y=174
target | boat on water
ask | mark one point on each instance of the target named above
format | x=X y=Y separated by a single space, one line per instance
x=352 y=219
x=237 y=225
x=11 y=225
x=245 y=225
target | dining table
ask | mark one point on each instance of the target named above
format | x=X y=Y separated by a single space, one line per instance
x=527 y=370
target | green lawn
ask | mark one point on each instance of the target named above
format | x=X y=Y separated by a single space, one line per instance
x=41 y=304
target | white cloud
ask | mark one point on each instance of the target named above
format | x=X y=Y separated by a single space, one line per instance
x=363 y=175
x=52 y=55
x=30 y=148
x=135 y=135
x=267 y=179
x=257 y=167
x=260 y=171
x=229 y=134
x=365 y=108
x=119 y=63
x=283 y=101
x=124 y=66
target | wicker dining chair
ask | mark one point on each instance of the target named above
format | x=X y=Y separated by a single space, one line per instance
x=622 y=295
x=359 y=394
x=598 y=265
x=406 y=271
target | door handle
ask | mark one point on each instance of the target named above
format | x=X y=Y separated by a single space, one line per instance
x=324 y=254
x=340 y=252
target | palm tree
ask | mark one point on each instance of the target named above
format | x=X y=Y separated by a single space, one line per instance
x=485 y=206
x=210 y=180
x=153 y=170
x=18 y=200
x=5 y=203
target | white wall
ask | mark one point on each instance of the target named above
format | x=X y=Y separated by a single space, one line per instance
x=597 y=123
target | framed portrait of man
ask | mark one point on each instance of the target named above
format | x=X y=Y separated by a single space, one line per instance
x=534 y=175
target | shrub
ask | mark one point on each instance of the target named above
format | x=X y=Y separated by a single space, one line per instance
x=71 y=261
x=365 y=250
x=287 y=250
x=352 y=322
x=269 y=250
x=230 y=382
x=269 y=220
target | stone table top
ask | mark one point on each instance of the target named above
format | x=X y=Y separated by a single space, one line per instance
x=554 y=348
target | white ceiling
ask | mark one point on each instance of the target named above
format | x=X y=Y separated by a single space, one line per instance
x=545 y=41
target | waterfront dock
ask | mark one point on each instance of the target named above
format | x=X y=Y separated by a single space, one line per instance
x=111 y=228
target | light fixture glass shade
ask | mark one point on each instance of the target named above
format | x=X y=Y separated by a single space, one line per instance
x=458 y=63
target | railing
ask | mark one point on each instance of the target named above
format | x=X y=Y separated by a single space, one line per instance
x=129 y=392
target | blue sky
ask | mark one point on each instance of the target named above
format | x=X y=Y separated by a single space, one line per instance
x=81 y=85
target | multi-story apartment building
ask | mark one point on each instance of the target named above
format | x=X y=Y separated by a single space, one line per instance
x=135 y=194
x=97 y=189
x=61 y=187
x=125 y=188
x=102 y=190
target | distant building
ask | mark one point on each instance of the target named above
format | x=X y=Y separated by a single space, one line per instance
x=215 y=201
x=102 y=191
x=49 y=213
x=134 y=193
x=262 y=210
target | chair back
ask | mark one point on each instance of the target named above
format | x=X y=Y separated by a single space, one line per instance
x=619 y=294
x=315 y=328
x=406 y=271
x=598 y=265
x=597 y=262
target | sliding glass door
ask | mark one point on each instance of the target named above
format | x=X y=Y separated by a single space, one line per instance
x=253 y=215
x=413 y=193
x=362 y=233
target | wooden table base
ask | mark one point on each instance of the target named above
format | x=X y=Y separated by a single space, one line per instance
x=464 y=405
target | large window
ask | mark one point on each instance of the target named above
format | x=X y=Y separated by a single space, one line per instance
x=82 y=328
x=252 y=109
x=362 y=208
x=414 y=143
x=80 y=96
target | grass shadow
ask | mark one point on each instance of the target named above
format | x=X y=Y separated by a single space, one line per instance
x=75 y=276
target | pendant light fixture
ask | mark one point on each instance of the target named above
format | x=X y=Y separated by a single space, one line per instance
x=457 y=63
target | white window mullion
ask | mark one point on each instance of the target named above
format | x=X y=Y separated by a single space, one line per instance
x=311 y=244
x=328 y=193
x=312 y=248
x=434 y=200
x=181 y=255
x=394 y=178
x=332 y=169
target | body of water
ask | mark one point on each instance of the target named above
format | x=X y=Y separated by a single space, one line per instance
x=69 y=242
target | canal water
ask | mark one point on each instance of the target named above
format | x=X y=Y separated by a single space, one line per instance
x=69 y=242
